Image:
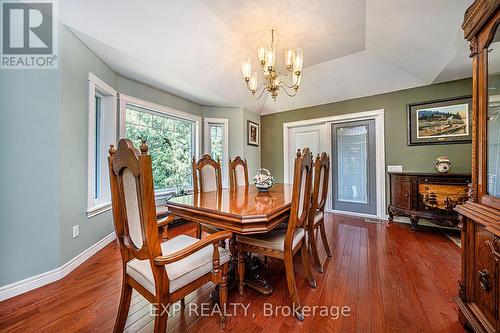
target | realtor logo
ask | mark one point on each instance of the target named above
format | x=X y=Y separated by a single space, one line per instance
x=29 y=38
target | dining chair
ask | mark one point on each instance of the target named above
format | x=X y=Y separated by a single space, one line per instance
x=238 y=172
x=317 y=210
x=283 y=243
x=162 y=272
x=207 y=177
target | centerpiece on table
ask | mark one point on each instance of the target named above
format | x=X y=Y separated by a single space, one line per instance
x=263 y=180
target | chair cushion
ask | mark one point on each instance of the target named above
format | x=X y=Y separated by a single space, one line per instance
x=318 y=216
x=275 y=239
x=181 y=272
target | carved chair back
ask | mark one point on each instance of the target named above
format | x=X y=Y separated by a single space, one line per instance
x=207 y=174
x=238 y=172
x=133 y=204
x=321 y=177
x=301 y=194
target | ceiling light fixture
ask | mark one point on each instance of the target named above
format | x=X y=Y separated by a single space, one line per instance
x=294 y=60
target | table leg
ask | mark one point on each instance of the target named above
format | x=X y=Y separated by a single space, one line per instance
x=253 y=276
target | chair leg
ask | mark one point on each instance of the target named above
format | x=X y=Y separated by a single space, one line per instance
x=292 y=287
x=241 y=270
x=314 y=250
x=223 y=295
x=161 y=319
x=125 y=298
x=324 y=239
x=198 y=231
x=307 y=264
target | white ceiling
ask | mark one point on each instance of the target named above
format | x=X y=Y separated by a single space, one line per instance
x=352 y=48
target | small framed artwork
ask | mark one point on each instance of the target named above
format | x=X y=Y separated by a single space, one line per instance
x=440 y=122
x=252 y=133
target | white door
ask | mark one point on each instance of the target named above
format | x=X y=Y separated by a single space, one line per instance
x=313 y=137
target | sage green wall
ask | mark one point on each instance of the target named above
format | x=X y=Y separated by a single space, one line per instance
x=76 y=61
x=29 y=173
x=237 y=133
x=397 y=152
x=251 y=153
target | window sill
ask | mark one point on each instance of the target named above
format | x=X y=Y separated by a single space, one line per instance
x=98 y=209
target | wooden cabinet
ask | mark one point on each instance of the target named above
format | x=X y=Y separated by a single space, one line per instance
x=478 y=297
x=427 y=195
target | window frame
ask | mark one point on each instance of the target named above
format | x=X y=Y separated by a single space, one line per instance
x=125 y=100
x=207 y=144
x=108 y=95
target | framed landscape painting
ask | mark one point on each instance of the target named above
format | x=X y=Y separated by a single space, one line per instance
x=440 y=122
x=252 y=133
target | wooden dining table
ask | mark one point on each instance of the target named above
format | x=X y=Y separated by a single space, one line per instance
x=242 y=210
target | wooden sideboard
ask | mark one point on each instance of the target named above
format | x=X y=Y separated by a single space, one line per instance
x=427 y=195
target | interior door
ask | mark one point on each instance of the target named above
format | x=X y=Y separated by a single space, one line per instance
x=312 y=137
x=354 y=167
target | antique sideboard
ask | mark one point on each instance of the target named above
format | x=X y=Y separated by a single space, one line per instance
x=431 y=196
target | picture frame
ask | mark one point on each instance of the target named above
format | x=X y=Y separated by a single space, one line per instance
x=253 y=133
x=444 y=121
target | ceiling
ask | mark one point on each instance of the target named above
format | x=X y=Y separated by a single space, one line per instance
x=352 y=48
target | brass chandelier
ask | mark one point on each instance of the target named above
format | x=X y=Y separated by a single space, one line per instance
x=294 y=60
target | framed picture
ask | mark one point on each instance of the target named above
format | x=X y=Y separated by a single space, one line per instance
x=440 y=122
x=252 y=133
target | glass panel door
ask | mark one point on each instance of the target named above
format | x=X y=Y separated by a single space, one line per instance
x=493 y=120
x=354 y=182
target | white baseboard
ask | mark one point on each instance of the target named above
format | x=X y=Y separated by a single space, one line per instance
x=20 y=287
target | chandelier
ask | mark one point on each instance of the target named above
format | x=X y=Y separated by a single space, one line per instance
x=294 y=60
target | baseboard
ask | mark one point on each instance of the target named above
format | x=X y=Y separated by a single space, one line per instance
x=37 y=281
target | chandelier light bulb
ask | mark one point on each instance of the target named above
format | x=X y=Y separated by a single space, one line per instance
x=298 y=60
x=246 y=68
x=252 y=83
x=261 y=53
x=289 y=58
x=270 y=58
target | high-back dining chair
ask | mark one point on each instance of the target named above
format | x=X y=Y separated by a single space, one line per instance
x=285 y=243
x=317 y=210
x=162 y=272
x=207 y=174
x=207 y=177
x=238 y=172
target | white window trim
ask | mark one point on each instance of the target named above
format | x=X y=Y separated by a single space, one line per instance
x=225 y=157
x=96 y=85
x=126 y=99
x=378 y=115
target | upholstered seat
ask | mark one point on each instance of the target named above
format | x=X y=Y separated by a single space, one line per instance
x=181 y=272
x=318 y=216
x=274 y=239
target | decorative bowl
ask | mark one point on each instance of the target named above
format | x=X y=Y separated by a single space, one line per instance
x=263 y=180
x=443 y=164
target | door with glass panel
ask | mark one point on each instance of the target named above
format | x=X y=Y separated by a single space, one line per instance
x=354 y=167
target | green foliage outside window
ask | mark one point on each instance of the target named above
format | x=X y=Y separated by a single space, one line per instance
x=170 y=142
x=216 y=141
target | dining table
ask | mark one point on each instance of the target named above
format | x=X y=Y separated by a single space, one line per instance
x=242 y=210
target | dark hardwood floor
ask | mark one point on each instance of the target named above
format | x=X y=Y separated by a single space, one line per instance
x=392 y=279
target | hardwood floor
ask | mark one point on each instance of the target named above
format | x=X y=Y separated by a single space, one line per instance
x=392 y=279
